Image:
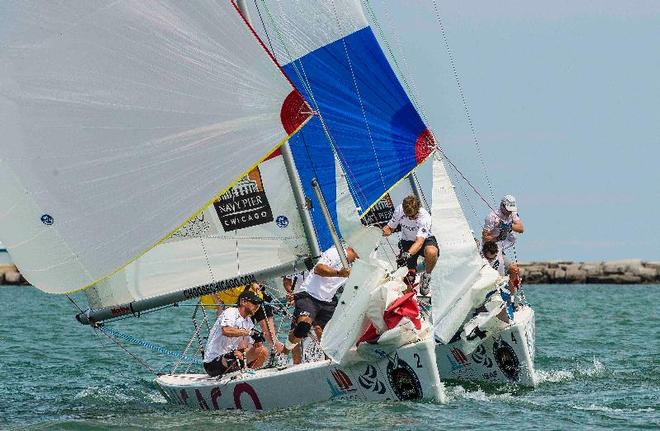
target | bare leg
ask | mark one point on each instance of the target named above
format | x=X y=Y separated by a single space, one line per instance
x=430 y=257
x=296 y=353
x=256 y=355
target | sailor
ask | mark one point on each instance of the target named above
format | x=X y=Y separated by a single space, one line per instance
x=416 y=238
x=497 y=260
x=233 y=342
x=264 y=316
x=316 y=303
x=292 y=286
x=501 y=223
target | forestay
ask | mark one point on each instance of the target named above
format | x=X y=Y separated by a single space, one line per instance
x=252 y=227
x=331 y=54
x=120 y=121
x=461 y=278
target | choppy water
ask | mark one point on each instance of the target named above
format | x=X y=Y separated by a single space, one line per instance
x=598 y=355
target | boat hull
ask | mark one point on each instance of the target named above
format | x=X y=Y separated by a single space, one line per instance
x=410 y=373
x=504 y=356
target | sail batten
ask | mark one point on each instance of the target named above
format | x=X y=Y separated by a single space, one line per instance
x=120 y=121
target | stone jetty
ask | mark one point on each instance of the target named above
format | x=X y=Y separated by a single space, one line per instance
x=632 y=271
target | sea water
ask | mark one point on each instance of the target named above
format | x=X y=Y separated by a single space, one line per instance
x=598 y=359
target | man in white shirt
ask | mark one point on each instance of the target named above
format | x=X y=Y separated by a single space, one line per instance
x=499 y=262
x=501 y=223
x=416 y=238
x=232 y=340
x=292 y=286
x=316 y=302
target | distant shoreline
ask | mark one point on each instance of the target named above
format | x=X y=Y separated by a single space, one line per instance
x=632 y=271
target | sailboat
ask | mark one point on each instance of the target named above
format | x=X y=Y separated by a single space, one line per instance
x=144 y=137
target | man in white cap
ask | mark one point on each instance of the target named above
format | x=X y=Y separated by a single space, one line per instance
x=501 y=223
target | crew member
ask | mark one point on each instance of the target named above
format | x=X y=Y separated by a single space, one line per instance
x=494 y=256
x=232 y=341
x=316 y=303
x=416 y=238
x=292 y=286
x=501 y=223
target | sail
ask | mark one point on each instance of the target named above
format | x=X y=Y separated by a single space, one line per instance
x=331 y=54
x=253 y=226
x=461 y=278
x=120 y=121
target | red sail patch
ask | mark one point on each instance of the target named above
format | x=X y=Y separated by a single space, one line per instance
x=294 y=111
x=424 y=146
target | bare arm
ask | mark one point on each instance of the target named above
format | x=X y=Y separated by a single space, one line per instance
x=517 y=226
x=229 y=331
x=327 y=271
x=417 y=245
x=486 y=236
x=288 y=285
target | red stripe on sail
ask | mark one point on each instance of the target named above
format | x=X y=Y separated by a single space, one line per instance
x=294 y=111
x=424 y=146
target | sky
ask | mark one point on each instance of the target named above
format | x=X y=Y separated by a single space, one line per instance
x=564 y=98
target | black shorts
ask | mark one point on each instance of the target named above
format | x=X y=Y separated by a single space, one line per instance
x=320 y=311
x=405 y=246
x=216 y=368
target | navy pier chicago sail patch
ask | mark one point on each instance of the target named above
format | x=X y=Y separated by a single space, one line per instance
x=245 y=204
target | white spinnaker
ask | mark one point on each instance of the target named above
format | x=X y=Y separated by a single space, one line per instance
x=363 y=239
x=119 y=121
x=461 y=278
x=255 y=226
x=298 y=27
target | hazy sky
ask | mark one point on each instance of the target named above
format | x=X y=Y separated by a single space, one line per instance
x=565 y=100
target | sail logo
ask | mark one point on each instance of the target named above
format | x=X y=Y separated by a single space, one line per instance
x=380 y=213
x=245 y=204
x=459 y=356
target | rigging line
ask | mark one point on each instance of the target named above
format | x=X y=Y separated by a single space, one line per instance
x=464 y=177
x=461 y=93
x=138 y=359
x=359 y=96
x=307 y=86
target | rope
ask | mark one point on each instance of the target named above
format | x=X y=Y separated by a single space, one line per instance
x=461 y=93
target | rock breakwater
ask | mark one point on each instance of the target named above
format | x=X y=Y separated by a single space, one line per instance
x=631 y=271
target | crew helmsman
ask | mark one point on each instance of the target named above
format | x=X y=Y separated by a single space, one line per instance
x=232 y=341
x=416 y=238
x=316 y=302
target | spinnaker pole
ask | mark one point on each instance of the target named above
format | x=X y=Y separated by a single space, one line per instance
x=292 y=174
x=92 y=316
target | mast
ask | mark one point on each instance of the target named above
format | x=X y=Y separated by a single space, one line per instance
x=292 y=173
x=414 y=185
x=331 y=225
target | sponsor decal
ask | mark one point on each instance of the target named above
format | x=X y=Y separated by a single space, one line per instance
x=459 y=356
x=343 y=381
x=246 y=388
x=47 y=219
x=479 y=356
x=282 y=221
x=476 y=332
x=506 y=359
x=245 y=204
x=403 y=379
x=120 y=310
x=369 y=380
x=218 y=286
x=380 y=213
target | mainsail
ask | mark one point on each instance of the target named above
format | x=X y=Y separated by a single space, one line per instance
x=461 y=277
x=331 y=54
x=120 y=122
x=253 y=227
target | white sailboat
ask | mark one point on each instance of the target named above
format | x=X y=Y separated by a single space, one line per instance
x=119 y=144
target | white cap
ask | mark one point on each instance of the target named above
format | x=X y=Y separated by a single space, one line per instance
x=509 y=203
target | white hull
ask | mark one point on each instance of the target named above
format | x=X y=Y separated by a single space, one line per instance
x=504 y=356
x=410 y=373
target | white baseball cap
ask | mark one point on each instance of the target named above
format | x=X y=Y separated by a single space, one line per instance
x=509 y=203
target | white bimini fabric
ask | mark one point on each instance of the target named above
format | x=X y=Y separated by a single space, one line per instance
x=219 y=344
x=324 y=288
x=412 y=228
x=461 y=277
x=120 y=120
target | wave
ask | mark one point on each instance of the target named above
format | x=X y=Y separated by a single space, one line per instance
x=596 y=369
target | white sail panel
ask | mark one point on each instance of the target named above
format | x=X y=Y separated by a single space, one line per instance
x=461 y=278
x=119 y=121
x=253 y=226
